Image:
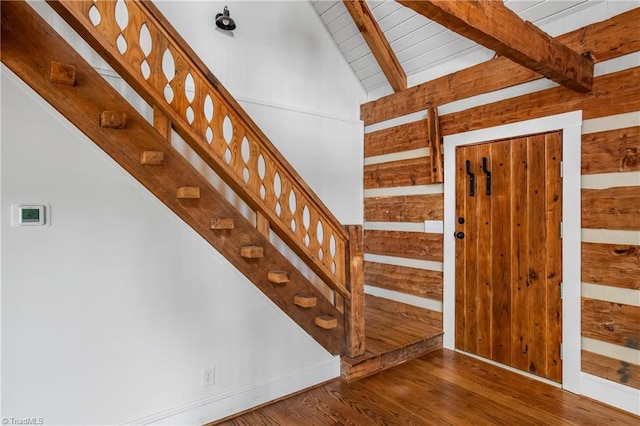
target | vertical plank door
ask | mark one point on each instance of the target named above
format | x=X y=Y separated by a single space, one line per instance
x=508 y=252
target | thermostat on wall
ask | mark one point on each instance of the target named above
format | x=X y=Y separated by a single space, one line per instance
x=29 y=215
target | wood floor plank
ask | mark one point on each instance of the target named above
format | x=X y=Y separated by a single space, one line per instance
x=441 y=388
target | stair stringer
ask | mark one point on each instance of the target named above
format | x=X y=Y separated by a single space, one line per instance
x=30 y=45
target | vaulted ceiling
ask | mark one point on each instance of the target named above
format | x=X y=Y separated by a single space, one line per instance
x=424 y=48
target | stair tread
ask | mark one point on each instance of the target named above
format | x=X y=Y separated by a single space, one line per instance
x=188 y=192
x=152 y=158
x=113 y=119
x=278 y=276
x=305 y=300
x=222 y=223
x=64 y=74
x=252 y=252
x=326 y=321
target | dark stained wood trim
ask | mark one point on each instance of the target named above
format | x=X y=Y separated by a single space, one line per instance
x=614 y=93
x=611 y=208
x=412 y=245
x=404 y=208
x=617 y=265
x=611 y=369
x=611 y=151
x=396 y=139
x=414 y=171
x=377 y=42
x=608 y=39
x=611 y=322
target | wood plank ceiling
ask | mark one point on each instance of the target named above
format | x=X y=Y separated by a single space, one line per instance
x=420 y=44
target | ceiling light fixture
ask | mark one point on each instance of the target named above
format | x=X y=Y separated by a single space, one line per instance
x=224 y=21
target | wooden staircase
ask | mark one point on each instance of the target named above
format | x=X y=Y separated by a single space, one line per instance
x=283 y=203
x=40 y=57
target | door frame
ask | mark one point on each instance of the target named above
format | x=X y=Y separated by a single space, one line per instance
x=571 y=125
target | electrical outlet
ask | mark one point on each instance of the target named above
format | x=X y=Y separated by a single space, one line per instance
x=208 y=377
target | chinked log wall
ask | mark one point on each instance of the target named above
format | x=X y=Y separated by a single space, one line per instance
x=397 y=189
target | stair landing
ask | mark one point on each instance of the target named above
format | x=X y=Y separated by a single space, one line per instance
x=394 y=333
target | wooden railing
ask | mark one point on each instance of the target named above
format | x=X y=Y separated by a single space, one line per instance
x=139 y=43
x=145 y=50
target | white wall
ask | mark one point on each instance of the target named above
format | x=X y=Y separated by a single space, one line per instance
x=109 y=315
x=280 y=53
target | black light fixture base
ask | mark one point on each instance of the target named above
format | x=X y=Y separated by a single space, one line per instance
x=224 y=21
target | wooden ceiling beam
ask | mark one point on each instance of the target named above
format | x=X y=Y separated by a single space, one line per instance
x=374 y=36
x=496 y=27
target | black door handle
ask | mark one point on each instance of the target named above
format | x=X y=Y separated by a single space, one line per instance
x=488 y=173
x=459 y=235
x=472 y=180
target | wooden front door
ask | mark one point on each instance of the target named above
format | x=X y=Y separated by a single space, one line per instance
x=508 y=252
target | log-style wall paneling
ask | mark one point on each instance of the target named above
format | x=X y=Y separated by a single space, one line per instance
x=611 y=151
x=611 y=208
x=415 y=171
x=616 y=265
x=408 y=311
x=412 y=245
x=611 y=369
x=608 y=39
x=396 y=139
x=614 y=93
x=417 y=282
x=611 y=322
x=404 y=208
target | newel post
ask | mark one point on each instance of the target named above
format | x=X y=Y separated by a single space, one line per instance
x=354 y=307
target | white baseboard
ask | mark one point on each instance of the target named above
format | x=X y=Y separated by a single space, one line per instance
x=241 y=399
x=611 y=393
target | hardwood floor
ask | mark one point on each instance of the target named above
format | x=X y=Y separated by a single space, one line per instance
x=441 y=388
